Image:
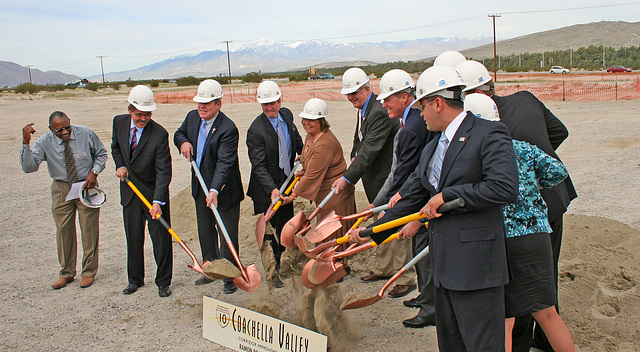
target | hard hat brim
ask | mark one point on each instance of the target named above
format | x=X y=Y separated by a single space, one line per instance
x=92 y=198
x=268 y=100
x=311 y=117
x=202 y=100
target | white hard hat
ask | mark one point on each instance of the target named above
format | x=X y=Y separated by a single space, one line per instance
x=482 y=106
x=314 y=109
x=208 y=90
x=268 y=92
x=435 y=81
x=393 y=82
x=142 y=98
x=92 y=197
x=449 y=58
x=353 y=79
x=474 y=74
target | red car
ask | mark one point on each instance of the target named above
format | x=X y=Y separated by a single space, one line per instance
x=618 y=68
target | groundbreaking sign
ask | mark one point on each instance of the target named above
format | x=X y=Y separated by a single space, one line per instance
x=244 y=330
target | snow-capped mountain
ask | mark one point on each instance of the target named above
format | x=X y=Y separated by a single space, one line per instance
x=266 y=55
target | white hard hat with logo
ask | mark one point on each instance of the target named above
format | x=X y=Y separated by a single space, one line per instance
x=268 y=92
x=436 y=80
x=393 y=82
x=142 y=98
x=92 y=197
x=474 y=74
x=482 y=106
x=449 y=58
x=314 y=109
x=208 y=90
x=353 y=79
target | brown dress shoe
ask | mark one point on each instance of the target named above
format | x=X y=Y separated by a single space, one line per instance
x=401 y=290
x=372 y=277
x=86 y=281
x=61 y=282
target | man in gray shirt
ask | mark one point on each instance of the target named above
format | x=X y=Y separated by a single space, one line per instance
x=73 y=153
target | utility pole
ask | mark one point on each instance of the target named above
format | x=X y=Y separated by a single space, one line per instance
x=495 y=61
x=101 y=67
x=228 y=59
x=603 y=60
x=571 y=57
x=29 y=67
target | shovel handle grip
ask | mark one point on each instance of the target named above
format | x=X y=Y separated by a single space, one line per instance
x=391 y=224
x=146 y=202
x=286 y=192
x=345 y=239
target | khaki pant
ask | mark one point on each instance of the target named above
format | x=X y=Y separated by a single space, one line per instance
x=391 y=257
x=64 y=215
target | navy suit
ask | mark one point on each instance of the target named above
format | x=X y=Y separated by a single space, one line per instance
x=220 y=171
x=150 y=171
x=468 y=254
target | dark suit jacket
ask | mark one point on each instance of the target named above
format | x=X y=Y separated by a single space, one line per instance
x=262 y=144
x=219 y=165
x=150 y=167
x=373 y=155
x=467 y=247
x=412 y=138
x=529 y=120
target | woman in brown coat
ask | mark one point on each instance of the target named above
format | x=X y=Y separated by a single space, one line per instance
x=323 y=162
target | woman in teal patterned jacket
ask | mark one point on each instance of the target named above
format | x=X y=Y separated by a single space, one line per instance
x=532 y=287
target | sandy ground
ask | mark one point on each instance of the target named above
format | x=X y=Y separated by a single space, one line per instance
x=600 y=262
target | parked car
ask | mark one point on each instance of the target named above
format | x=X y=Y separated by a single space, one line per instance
x=618 y=68
x=558 y=69
x=326 y=75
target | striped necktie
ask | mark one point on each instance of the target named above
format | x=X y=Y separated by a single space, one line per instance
x=134 y=141
x=437 y=165
x=70 y=163
x=283 y=151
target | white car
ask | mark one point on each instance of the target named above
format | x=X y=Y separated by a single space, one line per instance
x=558 y=69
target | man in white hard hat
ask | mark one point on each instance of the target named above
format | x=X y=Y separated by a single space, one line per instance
x=211 y=138
x=529 y=120
x=372 y=150
x=140 y=150
x=273 y=142
x=73 y=153
x=473 y=159
x=397 y=96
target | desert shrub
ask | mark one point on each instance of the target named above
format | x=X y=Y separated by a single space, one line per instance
x=154 y=83
x=92 y=86
x=187 y=81
x=131 y=83
x=252 y=77
x=115 y=85
x=27 y=88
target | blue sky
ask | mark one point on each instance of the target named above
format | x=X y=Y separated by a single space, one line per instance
x=67 y=35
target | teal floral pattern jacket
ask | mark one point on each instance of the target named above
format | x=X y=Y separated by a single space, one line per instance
x=528 y=214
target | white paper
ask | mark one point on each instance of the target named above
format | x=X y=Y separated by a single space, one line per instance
x=74 y=193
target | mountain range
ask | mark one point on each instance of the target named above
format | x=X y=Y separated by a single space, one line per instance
x=266 y=55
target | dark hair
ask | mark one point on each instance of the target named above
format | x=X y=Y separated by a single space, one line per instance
x=324 y=125
x=57 y=114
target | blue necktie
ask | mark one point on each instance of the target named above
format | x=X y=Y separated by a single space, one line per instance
x=283 y=151
x=437 y=165
x=202 y=137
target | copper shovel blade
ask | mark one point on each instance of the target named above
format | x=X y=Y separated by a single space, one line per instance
x=355 y=301
x=253 y=282
x=324 y=229
x=333 y=278
x=321 y=270
x=290 y=228
x=261 y=225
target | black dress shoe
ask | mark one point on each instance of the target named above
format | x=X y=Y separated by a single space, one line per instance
x=412 y=303
x=229 y=287
x=203 y=281
x=164 y=291
x=419 y=321
x=131 y=288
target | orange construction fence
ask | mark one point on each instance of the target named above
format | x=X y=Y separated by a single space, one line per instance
x=330 y=90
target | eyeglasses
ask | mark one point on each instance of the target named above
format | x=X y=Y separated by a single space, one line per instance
x=59 y=130
x=140 y=114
